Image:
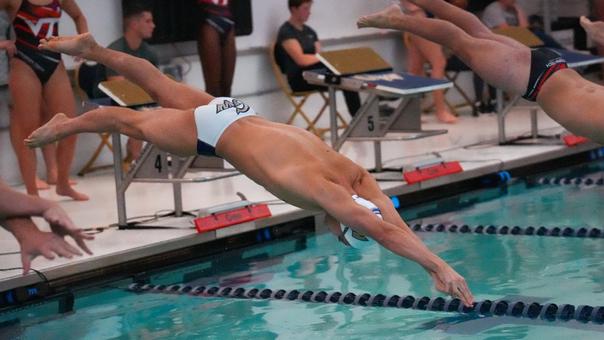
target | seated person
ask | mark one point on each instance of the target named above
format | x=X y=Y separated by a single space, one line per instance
x=295 y=52
x=504 y=13
x=16 y=210
x=138 y=26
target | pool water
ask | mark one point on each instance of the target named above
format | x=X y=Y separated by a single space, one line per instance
x=541 y=269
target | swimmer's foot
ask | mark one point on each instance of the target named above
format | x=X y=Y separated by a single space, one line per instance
x=381 y=19
x=81 y=45
x=445 y=116
x=595 y=30
x=69 y=192
x=47 y=133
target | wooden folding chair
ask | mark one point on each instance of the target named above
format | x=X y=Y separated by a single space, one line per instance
x=86 y=76
x=298 y=99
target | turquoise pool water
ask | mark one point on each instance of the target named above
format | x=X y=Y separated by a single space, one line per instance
x=542 y=269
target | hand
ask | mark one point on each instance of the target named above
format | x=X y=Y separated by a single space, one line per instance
x=448 y=281
x=9 y=46
x=34 y=242
x=62 y=226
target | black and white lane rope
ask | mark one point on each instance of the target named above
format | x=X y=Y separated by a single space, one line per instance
x=582 y=232
x=585 y=182
x=519 y=309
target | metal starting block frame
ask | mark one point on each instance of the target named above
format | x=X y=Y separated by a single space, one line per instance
x=154 y=165
x=157 y=166
x=367 y=124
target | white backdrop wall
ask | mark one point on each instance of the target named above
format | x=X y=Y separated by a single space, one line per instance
x=334 y=20
x=254 y=80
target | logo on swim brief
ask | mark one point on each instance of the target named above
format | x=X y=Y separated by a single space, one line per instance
x=556 y=61
x=238 y=105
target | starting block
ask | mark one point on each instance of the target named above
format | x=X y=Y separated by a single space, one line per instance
x=572 y=140
x=432 y=171
x=229 y=214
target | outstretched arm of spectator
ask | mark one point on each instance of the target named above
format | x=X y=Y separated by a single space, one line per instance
x=34 y=242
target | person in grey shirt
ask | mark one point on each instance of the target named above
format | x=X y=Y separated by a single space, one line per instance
x=504 y=13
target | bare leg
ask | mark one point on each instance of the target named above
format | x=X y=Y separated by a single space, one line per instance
x=434 y=55
x=463 y=19
x=229 y=58
x=169 y=129
x=50 y=158
x=58 y=97
x=167 y=92
x=25 y=118
x=49 y=153
x=499 y=64
x=133 y=149
x=210 y=55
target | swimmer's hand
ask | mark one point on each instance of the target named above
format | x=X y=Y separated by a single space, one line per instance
x=448 y=281
x=62 y=226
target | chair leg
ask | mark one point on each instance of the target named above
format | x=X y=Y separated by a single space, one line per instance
x=342 y=122
x=310 y=124
x=88 y=167
x=462 y=93
x=297 y=108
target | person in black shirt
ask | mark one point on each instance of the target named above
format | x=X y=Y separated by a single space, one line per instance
x=295 y=52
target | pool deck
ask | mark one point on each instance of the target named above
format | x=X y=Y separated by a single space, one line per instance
x=471 y=141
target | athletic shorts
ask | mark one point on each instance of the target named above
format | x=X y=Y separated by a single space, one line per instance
x=544 y=63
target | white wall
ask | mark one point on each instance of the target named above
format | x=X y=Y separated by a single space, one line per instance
x=253 y=74
x=254 y=81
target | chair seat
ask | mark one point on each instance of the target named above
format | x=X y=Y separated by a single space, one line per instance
x=299 y=98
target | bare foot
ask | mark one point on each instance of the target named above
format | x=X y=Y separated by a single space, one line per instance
x=381 y=19
x=446 y=116
x=80 y=45
x=41 y=185
x=52 y=180
x=47 y=133
x=69 y=192
x=595 y=30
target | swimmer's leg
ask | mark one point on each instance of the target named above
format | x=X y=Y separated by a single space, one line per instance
x=464 y=20
x=170 y=130
x=499 y=64
x=167 y=92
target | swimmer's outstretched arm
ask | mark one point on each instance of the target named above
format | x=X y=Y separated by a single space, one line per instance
x=167 y=92
x=401 y=241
